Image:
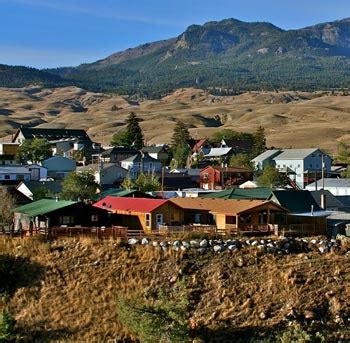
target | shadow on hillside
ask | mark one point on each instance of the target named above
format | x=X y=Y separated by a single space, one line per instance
x=18 y=272
x=40 y=333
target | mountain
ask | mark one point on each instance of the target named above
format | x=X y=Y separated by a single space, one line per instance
x=227 y=57
x=17 y=76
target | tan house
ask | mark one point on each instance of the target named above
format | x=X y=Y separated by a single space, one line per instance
x=231 y=215
x=141 y=213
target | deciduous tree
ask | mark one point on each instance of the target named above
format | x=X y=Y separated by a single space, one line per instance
x=271 y=177
x=35 y=151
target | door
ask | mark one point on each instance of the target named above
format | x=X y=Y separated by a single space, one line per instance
x=159 y=219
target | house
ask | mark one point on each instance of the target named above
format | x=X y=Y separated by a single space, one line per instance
x=140 y=213
x=14 y=174
x=120 y=192
x=196 y=145
x=217 y=154
x=327 y=201
x=30 y=188
x=193 y=173
x=214 y=177
x=248 y=184
x=106 y=173
x=141 y=163
x=177 y=181
x=117 y=154
x=233 y=215
x=238 y=146
x=8 y=152
x=338 y=187
x=158 y=152
x=302 y=165
x=52 y=135
x=265 y=159
x=63 y=141
x=48 y=213
x=58 y=167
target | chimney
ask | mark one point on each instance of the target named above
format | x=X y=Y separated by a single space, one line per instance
x=323 y=201
x=312 y=210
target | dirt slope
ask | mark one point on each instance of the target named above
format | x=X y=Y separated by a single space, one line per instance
x=232 y=295
x=291 y=119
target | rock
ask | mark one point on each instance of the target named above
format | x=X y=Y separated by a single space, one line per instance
x=240 y=262
x=194 y=244
x=163 y=244
x=263 y=315
x=176 y=243
x=173 y=279
x=204 y=243
x=202 y=250
x=323 y=249
x=185 y=244
x=133 y=241
x=254 y=243
x=183 y=248
x=232 y=247
x=144 y=241
x=155 y=243
x=176 y=248
x=218 y=248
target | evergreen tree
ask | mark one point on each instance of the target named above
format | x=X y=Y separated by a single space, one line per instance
x=179 y=145
x=133 y=136
x=120 y=139
x=259 y=141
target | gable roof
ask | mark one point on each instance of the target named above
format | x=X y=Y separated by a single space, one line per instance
x=239 y=144
x=96 y=167
x=116 y=192
x=54 y=186
x=295 y=201
x=154 y=149
x=226 y=206
x=43 y=206
x=266 y=155
x=139 y=205
x=295 y=154
x=52 y=134
x=331 y=200
x=217 y=152
x=259 y=193
x=141 y=158
x=119 y=150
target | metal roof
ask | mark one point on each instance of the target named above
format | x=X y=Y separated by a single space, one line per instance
x=295 y=154
x=265 y=155
x=261 y=193
x=138 y=158
x=138 y=205
x=330 y=183
x=13 y=170
x=217 y=152
x=43 y=206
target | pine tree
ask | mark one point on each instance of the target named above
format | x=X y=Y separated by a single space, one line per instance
x=259 y=141
x=179 y=144
x=134 y=136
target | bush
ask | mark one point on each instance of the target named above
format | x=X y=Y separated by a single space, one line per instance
x=164 y=319
x=7 y=325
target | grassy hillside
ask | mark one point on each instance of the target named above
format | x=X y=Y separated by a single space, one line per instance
x=73 y=288
x=291 y=119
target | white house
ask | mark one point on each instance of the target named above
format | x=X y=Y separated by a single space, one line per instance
x=337 y=187
x=302 y=165
x=107 y=173
x=141 y=162
x=305 y=163
x=10 y=174
x=59 y=167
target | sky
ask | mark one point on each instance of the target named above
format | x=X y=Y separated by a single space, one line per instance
x=55 y=33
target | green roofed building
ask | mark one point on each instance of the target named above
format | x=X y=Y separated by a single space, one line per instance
x=46 y=213
x=260 y=193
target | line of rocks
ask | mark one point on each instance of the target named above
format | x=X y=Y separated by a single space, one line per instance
x=279 y=246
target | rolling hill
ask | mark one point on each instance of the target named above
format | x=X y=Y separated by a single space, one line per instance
x=291 y=119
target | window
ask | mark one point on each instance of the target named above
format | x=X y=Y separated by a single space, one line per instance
x=94 y=218
x=231 y=220
x=66 y=220
x=148 y=220
x=7 y=177
x=19 y=177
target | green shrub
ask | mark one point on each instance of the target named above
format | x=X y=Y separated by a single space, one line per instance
x=7 y=324
x=163 y=319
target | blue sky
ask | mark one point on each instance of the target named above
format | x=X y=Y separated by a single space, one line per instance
x=52 y=33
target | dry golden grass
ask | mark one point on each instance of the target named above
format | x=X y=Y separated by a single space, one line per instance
x=75 y=299
x=291 y=119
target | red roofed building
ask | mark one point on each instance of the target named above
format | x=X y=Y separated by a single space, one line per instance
x=141 y=213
